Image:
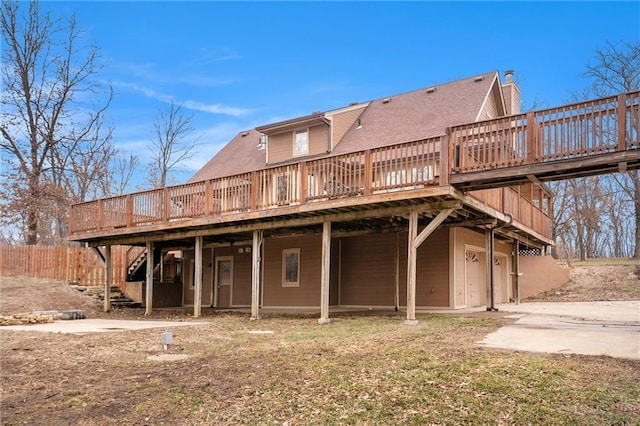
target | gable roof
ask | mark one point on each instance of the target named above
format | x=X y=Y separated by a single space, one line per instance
x=419 y=114
x=411 y=116
x=241 y=155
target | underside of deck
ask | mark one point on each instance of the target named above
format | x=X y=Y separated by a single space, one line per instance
x=548 y=171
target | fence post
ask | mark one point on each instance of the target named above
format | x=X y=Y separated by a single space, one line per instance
x=253 y=192
x=444 y=160
x=368 y=171
x=622 y=122
x=304 y=182
x=532 y=140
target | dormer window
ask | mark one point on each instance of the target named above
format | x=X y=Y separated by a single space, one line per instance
x=262 y=142
x=301 y=142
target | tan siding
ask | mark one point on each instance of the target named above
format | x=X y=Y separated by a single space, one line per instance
x=308 y=293
x=241 y=274
x=539 y=274
x=490 y=109
x=318 y=139
x=280 y=146
x=341 y=122
x=368 y=270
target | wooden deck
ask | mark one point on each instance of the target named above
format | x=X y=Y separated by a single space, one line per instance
x=474 y=164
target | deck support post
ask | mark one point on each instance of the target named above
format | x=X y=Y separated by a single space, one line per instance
x=325 y=273
x=108 y=278
x=415 y=240
x=516 y=272
x=411 y=269
x=255 y=274
x=148 y=302
x=490 y=246
x=197 y=279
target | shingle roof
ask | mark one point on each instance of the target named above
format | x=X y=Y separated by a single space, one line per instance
x=241 y=155
x=401 y=118
x=418 y=115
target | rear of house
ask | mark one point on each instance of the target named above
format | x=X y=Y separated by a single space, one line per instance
x=345 y=208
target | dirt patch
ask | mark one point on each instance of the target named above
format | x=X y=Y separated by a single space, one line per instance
x=596 y=282
x=20 y=295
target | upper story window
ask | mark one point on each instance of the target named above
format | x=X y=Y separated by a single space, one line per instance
x=301 y=142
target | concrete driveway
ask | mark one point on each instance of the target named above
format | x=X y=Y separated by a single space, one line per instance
x=588 y=328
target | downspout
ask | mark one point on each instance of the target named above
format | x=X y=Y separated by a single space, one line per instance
x=491 y=236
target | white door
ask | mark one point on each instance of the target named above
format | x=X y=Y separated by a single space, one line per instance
x=475 y=278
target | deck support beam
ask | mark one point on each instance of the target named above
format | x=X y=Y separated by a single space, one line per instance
x=256 y=259
x=516 y=272
x=415 y=240
x=197 y=279
x=325 y=273
x=108 y=278
x=148 y=301
x=490 y=252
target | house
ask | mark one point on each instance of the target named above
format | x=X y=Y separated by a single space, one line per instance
x=426 y=199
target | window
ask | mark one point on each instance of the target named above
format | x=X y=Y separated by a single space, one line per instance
x=301 y=142
x=291 y=268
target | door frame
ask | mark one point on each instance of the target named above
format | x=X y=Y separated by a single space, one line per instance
x=217 y=261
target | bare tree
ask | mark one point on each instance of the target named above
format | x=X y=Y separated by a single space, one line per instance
x=51 y=123
x=123 y=167
x=171 y=144
x=616 y=69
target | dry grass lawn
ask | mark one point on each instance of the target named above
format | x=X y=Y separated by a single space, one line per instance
x=367 y=370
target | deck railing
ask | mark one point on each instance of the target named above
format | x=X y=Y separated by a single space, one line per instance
x=405 y=166
x=572 y=131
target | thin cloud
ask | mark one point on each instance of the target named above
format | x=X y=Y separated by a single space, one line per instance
x=189 y=104
x=216 y=108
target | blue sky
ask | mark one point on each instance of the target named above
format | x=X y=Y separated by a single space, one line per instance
x=237 y=65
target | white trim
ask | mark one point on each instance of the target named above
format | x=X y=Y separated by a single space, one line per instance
x=488 y=95
x=295 y=133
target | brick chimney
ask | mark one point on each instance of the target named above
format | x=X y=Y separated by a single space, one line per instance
x=511 y=93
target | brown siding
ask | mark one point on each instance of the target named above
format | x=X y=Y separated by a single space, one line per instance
x=341 y=122
x=207 y=279
x=308 y=293
x=368 y=270
x=432 y=274
x=241 y=273
x=335 y=272
x=280 y=146
x=432 y=286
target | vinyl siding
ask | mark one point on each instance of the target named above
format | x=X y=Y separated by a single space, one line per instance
x=280 y=146
x=432 y=270
x=341 y=122
x=368 y=270
x=207 y=280
x=241 y=274
x=308 y=293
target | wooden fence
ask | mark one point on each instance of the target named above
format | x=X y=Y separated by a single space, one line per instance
x=74 y=265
